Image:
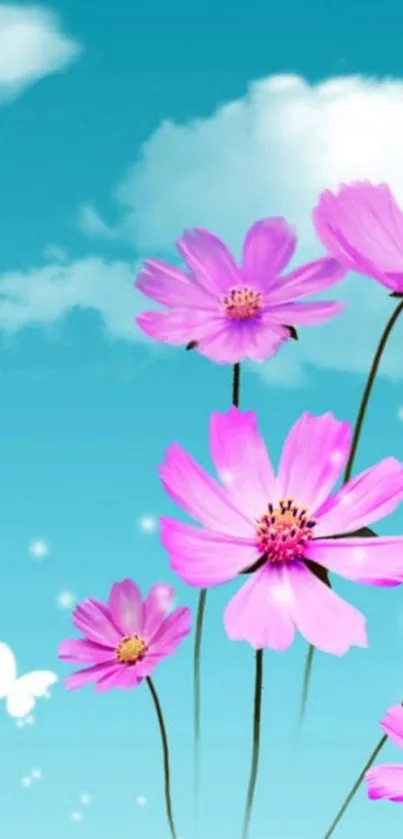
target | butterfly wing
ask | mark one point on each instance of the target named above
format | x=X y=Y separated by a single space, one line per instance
x=24 y=691
x=8 y=670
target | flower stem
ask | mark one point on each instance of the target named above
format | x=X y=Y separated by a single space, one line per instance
x=350 y=463
x=201 y=606
x=165 y=752
x=257 y=708
x=356 y=786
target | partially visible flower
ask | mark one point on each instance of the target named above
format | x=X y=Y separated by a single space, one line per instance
x=282 y=529
x=362 y=227
x=231 y=313
x=126 y=639
x=386 y=780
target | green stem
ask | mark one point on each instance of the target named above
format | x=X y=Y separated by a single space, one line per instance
x=201 y=606
x=350 y=463
x=355 y=787
x=257 y=709
x=165 y=752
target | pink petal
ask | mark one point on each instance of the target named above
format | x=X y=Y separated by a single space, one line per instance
x=385 y=781
x=172 y=287
x=200 y=495
x=269 y=246
x=119 y=677
x=171 y=632
x=392 y=724
x=84 y=677
x=157 y=605
x=232 y=342
x=305 y=314
x=126 y=605
x=309 y=279
x=95 y=620
x=322 y=617
x=260 y=612
x=78 y=650
x=369 y=497
x=201 y=558
x=242 y=461
x=314 y=455
x=180 y=326
x=377 y=561
x=209 y=260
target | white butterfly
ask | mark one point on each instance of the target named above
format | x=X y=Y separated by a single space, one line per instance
x=21 y=693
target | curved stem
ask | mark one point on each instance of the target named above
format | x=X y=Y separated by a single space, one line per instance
x=201 y=606
x=257 y=709
x=355 y=787
x=165 y=753
x=350 y=463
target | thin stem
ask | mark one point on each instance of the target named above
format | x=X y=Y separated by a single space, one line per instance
x=355 y=787
x=236 y=383
x=257 y=709
x=350 y=463
x=165 y=752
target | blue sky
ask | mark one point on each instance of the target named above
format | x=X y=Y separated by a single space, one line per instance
x=120 y=124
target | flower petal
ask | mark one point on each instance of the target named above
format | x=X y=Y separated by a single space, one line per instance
x=171 y=287
x=232 y=342
x=79 y=650
x=309 y=279
x=209 y=260
x=201 y=558
x=392 y=724
x=377 y=562
x=121 y=677
x=157 y=604
x=126 y=605
x=305 y=314
x=180 y=326
x=370 y=496
x=269 y=246
x=95 y=621
x=385 y=781
x=200 y=495
x=171 y=632
x=329 y=623
x=242 y=461
x=91 y=674
x=260 y=612
x=314 y=454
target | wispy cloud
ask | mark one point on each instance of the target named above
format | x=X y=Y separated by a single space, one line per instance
x=32 y=46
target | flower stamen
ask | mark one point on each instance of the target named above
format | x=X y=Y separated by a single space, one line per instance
x=131 y=649
x=243 y=303
x=284 y=531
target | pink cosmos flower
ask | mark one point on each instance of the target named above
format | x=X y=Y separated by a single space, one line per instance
x=126 y=639
x=282 y=528
x=386 y=780
x=362 y=227
x=233 y=313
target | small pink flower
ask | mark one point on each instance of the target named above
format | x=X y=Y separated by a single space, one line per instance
x=362 y=227
x=233 y=313
x=386 y=780
x=281 y=528
x=126 y=639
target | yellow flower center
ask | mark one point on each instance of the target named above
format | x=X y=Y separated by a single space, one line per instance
x=131 y=649
x=283 y=532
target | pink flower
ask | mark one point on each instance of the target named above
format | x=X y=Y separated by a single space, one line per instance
x=125 y=640
x=362 y=227
x=277 y=526
x=386 y=780
x=235 y=313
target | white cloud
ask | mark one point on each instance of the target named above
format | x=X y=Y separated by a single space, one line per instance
x=32 y=46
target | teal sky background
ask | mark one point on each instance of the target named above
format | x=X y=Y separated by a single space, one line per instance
x=88 y=408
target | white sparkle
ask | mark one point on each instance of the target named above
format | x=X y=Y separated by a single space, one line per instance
x=164 y=594
x=76 y=816
x=47 y=695
x=281 y=594
x=336 y=457
x=400 y=413
x=147 y=524
x=359 y=554
x=36 y=774
x=38 y=548
x=226 y=477
x=29 y=720
x=26 y=782
x=345 y=498
x=66 y=600
x=141 y=800
x=86 y=799
x=20 y=723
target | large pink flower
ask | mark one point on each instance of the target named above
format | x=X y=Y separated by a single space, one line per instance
x=386 y=780
x=283 y=529
x=126 y=639
x=235 y=313
x=362 y=227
